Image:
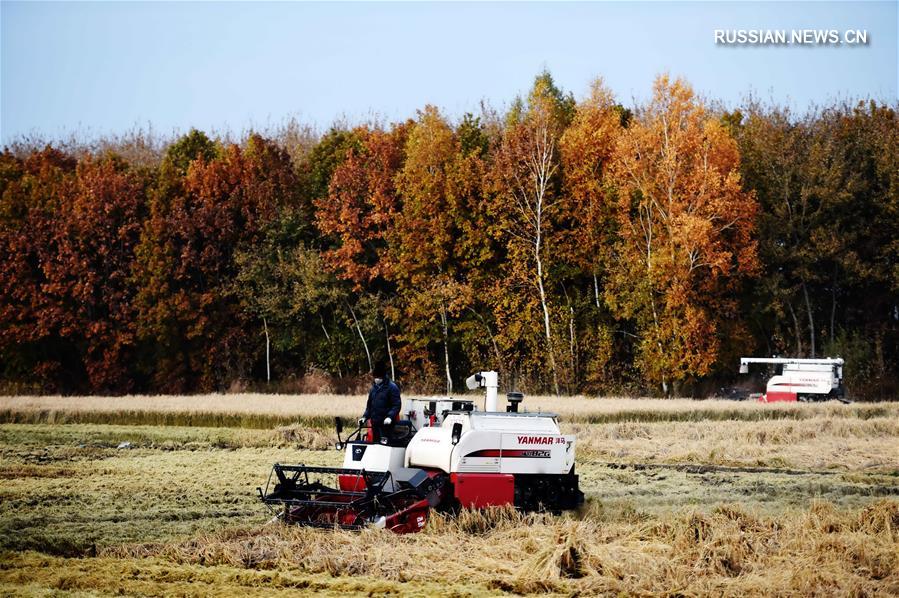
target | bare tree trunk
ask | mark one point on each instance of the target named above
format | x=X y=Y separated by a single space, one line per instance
x=797 y=329
x=546 y=326
x=268 y=368
x=361 y=336
x=389 y=351
x=572 y=347
x=443 y=321
x=833 y=305
x=811 y=319
x=596 y=289
x=325 y=330
x=655 y=319
x=499 y=357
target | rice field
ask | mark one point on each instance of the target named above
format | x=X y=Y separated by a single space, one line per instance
x=683 y=497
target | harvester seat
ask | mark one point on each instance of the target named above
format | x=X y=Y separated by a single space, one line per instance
x=400 y=434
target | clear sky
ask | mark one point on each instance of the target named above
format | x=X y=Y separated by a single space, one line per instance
x=105 y=67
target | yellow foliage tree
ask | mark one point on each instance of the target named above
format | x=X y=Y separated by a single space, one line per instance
x=586 y=242
x=685 y=233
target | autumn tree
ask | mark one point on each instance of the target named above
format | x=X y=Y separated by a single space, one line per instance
x=30 y=346
x=587 y=238
x=476 y=246
x=358 y=214
x=529 y=178
x=296 y=297
x=824 y=230
x=685 y=229
x=784 y=165
x=429 y=242
x=200 y=336
x=94 y=259
x=70 y=231
x=574 y=246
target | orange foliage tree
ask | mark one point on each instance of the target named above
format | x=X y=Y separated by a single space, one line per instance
x=586 y=241
x=70 y=233
x=357 y=217
x=428 y=265
x=685 y=233
x=188 y=315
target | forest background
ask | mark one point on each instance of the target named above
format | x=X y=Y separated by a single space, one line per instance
x=576 y=246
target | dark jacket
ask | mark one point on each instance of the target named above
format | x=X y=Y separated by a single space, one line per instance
x=383 y=401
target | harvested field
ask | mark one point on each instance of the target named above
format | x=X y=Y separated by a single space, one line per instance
x=683 y=497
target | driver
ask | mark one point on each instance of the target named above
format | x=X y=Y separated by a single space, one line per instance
x=384 y=403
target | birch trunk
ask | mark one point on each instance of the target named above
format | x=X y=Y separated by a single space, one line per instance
x=324 y=329
x=268 y=368
x=572 y=347
x=361 y=336
x=537 y=163
x=389 y=351
x=443 y=321
x=546 y=326
x=811 y=319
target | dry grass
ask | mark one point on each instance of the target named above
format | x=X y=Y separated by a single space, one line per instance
x=238 y=410
x=267 y=411
x=821 y=442
x=729 y=551
x=68 y=489
x=246 y=403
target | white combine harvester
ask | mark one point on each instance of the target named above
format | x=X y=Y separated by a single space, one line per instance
x=800 y=379
x=447 y=454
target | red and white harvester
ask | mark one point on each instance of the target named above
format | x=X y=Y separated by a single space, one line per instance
x=800 y=379
x=447 y=454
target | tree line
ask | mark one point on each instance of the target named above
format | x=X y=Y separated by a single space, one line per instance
x=575 y=246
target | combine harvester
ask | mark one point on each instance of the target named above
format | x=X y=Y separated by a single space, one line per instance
x=446 y=455
x=800 y=379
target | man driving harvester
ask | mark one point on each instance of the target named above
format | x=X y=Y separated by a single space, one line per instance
x=383 y=406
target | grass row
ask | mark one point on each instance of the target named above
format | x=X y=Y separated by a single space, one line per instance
x=592 y=412
x=256 y=421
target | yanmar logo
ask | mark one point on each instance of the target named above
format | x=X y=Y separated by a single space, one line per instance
x=540 y=440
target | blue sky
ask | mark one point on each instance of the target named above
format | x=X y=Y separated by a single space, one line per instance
x=105 y=67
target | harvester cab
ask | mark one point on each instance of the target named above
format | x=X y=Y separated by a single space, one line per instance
x=448 y=454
